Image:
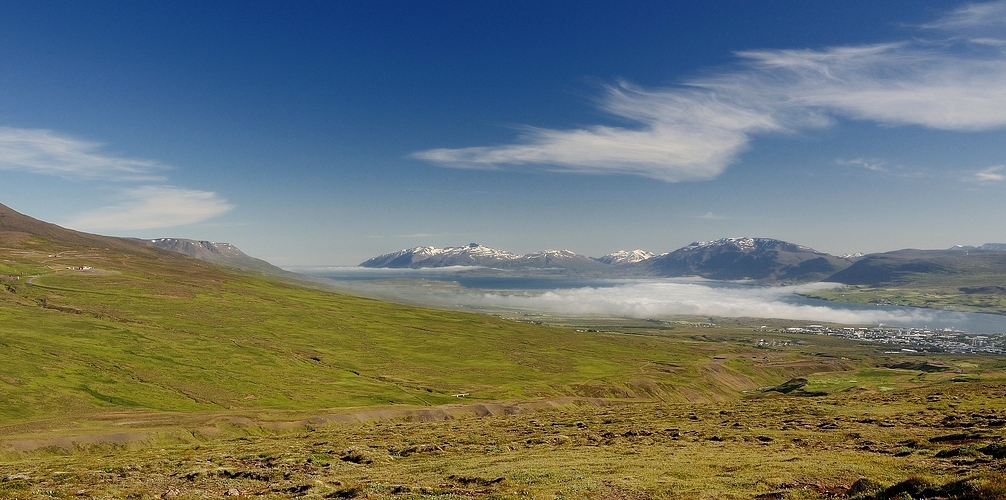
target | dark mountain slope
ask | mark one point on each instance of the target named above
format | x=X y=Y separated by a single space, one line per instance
x=223 y=254
x=973 y=268
x=760 y=259
x=17 y=227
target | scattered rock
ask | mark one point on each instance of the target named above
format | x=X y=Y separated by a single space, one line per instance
x=351 y=492
x=994 y=450
x=466 y=480
x=864 y=486
x=419 y=448
x=356 y=456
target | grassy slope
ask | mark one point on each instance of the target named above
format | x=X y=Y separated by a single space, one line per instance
x=156 y=331
x=197 y=361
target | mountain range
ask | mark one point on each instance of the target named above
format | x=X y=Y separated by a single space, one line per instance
x=760 y=259
x=764 y=260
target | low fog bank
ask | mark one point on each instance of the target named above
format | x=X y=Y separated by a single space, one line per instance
x=642 y=299
x=655 y=299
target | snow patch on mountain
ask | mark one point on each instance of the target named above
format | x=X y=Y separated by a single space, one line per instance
x=625 y=257
x=551 y=255
x=472 y=254
x=744 y=243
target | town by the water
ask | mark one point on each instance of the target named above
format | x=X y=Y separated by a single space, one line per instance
x=908 y=340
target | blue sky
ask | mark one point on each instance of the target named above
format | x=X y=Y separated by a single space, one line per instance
x=323 y=133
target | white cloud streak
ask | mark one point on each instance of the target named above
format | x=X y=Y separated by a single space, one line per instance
x=874 y=165
x=44 y=152
x=991 y=174
x=970 y=17
x=40 y=151
x=695 y=130
x=152 y=207
x=687 y=134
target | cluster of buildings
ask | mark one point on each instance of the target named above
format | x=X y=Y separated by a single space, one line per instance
x=911 y=340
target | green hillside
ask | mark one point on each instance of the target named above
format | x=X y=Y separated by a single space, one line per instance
x=150 y=330
x=127 y=371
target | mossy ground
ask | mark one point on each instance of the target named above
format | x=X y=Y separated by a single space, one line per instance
x=776 y=447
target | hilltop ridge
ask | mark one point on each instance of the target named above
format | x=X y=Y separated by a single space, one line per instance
x=224 y=254
x=16 y=227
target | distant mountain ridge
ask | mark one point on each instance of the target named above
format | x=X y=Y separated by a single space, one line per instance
x=760 y=259
x=745 y=258
x=625 y=257
x=15 y=226
x=475 y=254
x=472 y=254
x=995 y=247
x=224 y=254
x=984 y=265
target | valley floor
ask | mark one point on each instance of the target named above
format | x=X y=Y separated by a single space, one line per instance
x=929 y=297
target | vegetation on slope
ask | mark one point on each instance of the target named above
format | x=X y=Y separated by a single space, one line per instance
x=971 y=280
x=127 y=371
x=160 y=332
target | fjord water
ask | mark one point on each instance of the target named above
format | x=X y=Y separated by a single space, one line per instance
x=641 y=298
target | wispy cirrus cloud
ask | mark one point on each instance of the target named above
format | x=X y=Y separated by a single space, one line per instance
x=152 y=207
x=686 y=134
x=693 y=131
x=874 y=165
x=990 y=175
x=41 y=151
x=148 y=206
x=980 y=17
x=710 y=216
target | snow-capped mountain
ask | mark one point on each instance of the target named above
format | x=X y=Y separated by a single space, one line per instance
x=989 y=247
x=625 y=257
x=479 y=255
x=551 y=255
x=763 y=259
x=747 y=244
x=565 y=259
x=472 y=254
